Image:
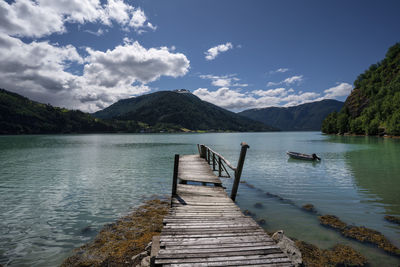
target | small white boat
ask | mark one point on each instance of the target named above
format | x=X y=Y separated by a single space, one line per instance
x=296 y=155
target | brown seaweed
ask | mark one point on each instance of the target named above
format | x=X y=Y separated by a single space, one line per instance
x=309 y=208
x=118 y=242
x=360 y=233
x=392 y=219
x=339 y=255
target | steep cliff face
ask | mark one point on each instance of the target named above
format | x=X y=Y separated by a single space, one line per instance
x=356 y=102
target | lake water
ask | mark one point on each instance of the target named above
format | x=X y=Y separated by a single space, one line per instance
x=56 y=191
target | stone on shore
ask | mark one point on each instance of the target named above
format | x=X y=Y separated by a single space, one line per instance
x=288 y=246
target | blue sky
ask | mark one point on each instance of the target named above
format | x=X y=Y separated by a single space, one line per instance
x=87 y=54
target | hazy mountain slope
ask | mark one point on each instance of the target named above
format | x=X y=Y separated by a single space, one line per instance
x=305 y=117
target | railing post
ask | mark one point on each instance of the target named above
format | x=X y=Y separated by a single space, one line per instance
x=219 y=167
x=203 y=151
x=213 y=162
x=238 y=171
x=208 y=156
x=175 y=177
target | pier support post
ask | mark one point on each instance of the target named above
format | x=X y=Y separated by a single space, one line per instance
x=175 y=177
x=238 y=171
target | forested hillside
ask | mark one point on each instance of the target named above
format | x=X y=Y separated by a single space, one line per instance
x=180 y=109
x=373 y=107
x=20 y=115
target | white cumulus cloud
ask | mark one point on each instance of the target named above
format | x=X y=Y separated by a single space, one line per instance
x=287 y=81
x=28 y=18
x=213 y=52
x=271 y=92
x=39 y=70
x=279 y=70
x=343 y=89
x=224 y=80
x=236 y=100
x=293 y=79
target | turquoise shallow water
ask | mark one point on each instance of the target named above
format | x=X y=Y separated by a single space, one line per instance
x=56 y=191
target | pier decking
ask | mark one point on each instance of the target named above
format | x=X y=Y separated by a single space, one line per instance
x=204 y=226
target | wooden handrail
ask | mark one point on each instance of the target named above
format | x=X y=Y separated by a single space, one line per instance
x=205 y=152
x=220 y=156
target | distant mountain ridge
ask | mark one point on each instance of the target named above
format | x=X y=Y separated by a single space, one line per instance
x=305 y=117
x=182 y=109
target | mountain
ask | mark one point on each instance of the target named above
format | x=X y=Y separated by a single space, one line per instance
x=179 y=108
x=373 y=107
x=19 y=115
x=305 y=117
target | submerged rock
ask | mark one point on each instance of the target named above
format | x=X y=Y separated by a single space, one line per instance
x=261 y=222
x=339 y=255
x=288 y=246
x=309 y=208
x=332 y=221
x=258 y=205
x=392 y=219
x=249 y=213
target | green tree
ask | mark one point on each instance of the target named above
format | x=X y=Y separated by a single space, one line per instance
x=342 y=123
x=394 y=124
x=356 y=126
x=329 y=125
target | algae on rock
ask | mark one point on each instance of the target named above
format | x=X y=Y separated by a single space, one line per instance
x=119 y=242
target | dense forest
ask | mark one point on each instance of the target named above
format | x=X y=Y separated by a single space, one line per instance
x=373 y=107
x=305 y=117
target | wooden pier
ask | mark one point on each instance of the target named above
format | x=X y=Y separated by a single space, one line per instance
x=204 y=226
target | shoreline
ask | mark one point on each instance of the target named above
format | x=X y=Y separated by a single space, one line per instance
x=365 y=135
x=127 y=242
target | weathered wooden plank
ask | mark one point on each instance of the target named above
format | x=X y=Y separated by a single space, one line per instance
x=209 y=226
x=215 y=253
x=257 y=262
x=209 y=230
x=200 y=179
x=200 y=187
x=211 y=223
x=208 y=250
x=176 y=235
x=194 y=245
x=217 y=198
x=216 y=240
x=222 y=259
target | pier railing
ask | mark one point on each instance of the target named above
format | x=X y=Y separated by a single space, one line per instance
x=217 y=160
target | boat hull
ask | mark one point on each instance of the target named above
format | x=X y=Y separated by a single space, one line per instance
x=295 y=155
